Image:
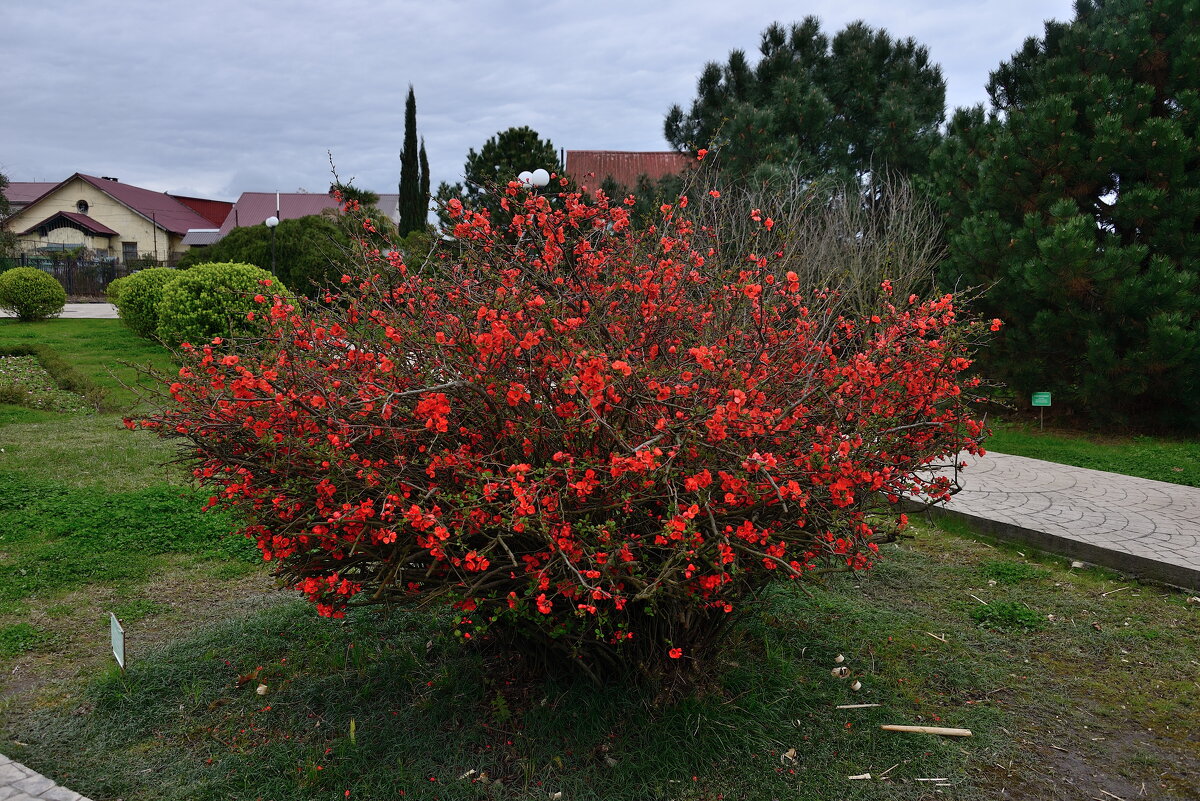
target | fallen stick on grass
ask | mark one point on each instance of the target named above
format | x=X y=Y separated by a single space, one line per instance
x=857 y=706
x=929 y=730
x=860 y=776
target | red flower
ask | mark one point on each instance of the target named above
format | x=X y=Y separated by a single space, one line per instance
x=675 y=653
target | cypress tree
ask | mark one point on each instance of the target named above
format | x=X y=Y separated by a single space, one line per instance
x=1076 y=203
x=424 y=177
x=412 y=210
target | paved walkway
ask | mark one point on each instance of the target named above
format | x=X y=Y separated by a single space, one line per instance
x=95 y=311
x=19 y=783
x=1147 y=528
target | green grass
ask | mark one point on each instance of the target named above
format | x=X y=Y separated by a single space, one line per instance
x=83 y=451
x=17 y=638
x=97 y=350
x=60 y=538
x=1173 y=461
x=378 y=705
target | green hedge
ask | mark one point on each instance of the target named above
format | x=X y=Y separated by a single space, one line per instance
x=211 y=300
x=31 y=294
x=137 y=297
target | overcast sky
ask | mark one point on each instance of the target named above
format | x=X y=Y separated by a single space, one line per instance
x=216 y=97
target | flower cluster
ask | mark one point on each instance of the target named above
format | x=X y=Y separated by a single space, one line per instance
x=596 y=438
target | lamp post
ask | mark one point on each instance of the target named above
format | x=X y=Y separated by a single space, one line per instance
x=272 y=222
x=538 y=178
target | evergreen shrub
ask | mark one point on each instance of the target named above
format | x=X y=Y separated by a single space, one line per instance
x=137 y=297
x=31 y=294
x=211 y=300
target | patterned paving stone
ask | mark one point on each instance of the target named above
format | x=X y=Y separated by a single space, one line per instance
x=1148 y=528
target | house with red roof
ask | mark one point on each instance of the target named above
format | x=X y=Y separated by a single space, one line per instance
x=21 y=193
x=115 y=221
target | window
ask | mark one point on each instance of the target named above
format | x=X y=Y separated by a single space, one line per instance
x=129 y=252
x=82 y=207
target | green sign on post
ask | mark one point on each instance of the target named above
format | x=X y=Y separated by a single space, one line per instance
x=1042 y=400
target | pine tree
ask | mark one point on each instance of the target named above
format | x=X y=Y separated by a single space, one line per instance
x=501 y=159
x=412 y=209
x=860 y=104
x=1076 y=202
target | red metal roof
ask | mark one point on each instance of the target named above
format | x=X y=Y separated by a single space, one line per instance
x=82 y=220
x=590 y=167
x=165 y=211
x=25 y=192
x=214 y=211
x=253 y=208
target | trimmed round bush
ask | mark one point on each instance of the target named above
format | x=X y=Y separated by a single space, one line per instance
x=114 y=289
x=211 y=300
x=31 y=294
x=137 y=298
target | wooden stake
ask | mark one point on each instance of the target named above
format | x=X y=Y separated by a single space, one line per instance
x=929 y=730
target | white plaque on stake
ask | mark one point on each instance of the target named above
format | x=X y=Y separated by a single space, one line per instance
x=118 y=639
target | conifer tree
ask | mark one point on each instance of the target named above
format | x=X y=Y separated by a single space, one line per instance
x=501 y=159
x=412 y=208
x=1076 y=203
x=424 y=165
x=861 y=103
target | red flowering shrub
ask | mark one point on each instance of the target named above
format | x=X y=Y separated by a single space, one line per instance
x=579 y=436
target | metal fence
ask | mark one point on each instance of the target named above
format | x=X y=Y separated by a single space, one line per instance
x=82 y=277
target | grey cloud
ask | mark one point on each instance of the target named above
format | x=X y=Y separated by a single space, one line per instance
x=217 y=97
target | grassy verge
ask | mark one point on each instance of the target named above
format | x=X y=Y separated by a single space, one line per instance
x=1070 y=688
x=1173 y=461
x=91 y=356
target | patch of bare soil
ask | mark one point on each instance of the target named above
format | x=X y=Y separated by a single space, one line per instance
x=182 y=600
x=1104 y=762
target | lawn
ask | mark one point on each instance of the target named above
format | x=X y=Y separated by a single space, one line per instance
x=1074 y=683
